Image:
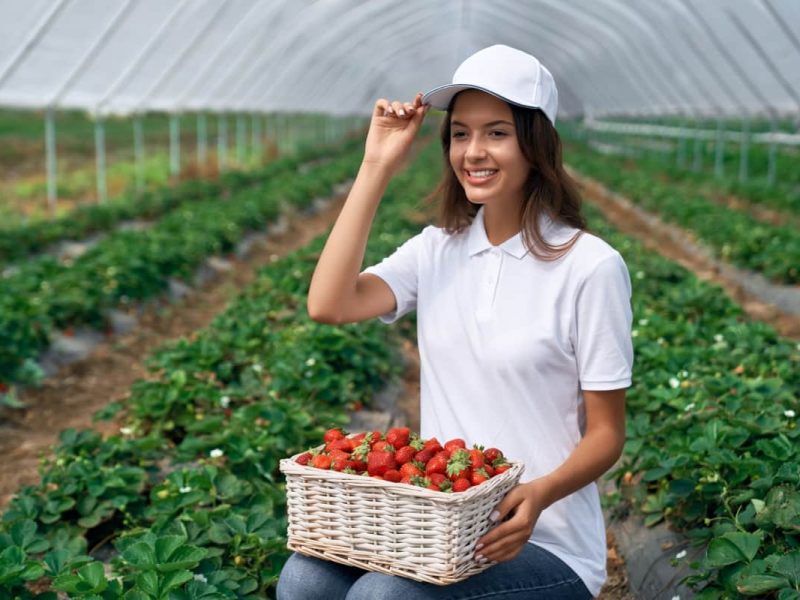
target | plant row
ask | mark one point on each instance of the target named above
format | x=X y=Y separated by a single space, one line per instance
x=187 y=502
x=25 y=239
x=773 y=251
x=712 y=438
x=45 y=295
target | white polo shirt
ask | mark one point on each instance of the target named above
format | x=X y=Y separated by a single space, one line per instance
x=507 y=342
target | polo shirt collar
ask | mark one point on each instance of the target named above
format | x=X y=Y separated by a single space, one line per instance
x=479 y=242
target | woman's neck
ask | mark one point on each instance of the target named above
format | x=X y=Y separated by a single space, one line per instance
x=501 y=223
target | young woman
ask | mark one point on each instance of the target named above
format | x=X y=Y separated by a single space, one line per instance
x=524 y=323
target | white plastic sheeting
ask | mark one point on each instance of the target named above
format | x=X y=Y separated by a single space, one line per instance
x=609 y=57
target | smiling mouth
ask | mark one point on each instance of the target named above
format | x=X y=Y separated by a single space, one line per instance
x=481 y=173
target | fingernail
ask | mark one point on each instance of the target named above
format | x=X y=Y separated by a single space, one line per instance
x=480 y=558
x=494 y=516
x=479 y=546
x=401 y=112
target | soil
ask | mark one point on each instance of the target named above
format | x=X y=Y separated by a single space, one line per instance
x=77 y=391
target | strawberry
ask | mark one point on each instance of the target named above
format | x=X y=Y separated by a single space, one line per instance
x=406 y=479
x=501 y=468
x=321 y=461
x=492 y=454
x=392 y=475
x=476 y=458
x=339 y=464
x=461 y=485
x=383 y=445
x=334 y=433
x=440 y=480
x=458 y=465
x=339 y=455
x=404 y=455
x=378 y=462
x=479 y=476
x=398 y=436
x=303 y=458
x=416 y=443
x=345 y=444
x=359 y=436
x=437 y=464
x=454 y=444
x=359 y=465
x=489 y=469
x=432 y=444
x=425 y=455
x=410 y=468
x=375 y=436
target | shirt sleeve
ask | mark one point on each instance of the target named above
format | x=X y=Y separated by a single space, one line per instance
x=400 y=271
x=603 y=342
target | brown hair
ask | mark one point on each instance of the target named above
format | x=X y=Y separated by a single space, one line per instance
x=548 y=189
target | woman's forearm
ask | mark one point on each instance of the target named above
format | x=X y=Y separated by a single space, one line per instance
x=333 y=284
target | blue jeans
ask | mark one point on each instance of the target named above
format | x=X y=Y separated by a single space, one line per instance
x=535 y=573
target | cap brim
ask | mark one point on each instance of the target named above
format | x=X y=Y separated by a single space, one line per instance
x=441 y=96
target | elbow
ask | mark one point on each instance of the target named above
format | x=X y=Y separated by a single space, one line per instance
x=320 y=315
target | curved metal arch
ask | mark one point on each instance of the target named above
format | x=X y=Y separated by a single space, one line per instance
x=300 y=62
x=557 y=41
x=402 y=34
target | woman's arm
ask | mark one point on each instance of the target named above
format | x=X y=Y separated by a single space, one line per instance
x=338 y=294
x=595 y=454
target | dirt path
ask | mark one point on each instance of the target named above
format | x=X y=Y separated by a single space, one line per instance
x=77 y=391
x=753 y=293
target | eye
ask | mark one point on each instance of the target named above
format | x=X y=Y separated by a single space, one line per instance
x=458 y=134
x=497 y=133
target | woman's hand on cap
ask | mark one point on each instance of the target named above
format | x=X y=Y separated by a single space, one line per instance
x=392 y=129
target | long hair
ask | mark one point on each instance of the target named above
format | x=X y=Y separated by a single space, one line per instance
x=548 y=189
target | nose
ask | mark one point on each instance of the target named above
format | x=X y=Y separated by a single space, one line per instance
x=475 y=149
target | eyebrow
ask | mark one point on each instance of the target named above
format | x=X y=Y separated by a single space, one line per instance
x=492 y=124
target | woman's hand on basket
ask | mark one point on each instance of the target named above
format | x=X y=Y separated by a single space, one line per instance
x=523 y=504
x=391 y=131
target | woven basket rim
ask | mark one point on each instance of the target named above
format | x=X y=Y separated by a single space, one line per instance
x=291 y=467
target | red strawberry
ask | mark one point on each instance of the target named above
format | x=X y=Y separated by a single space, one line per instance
x=404 y=454
x=501 y=468
x=492 y=454
x=489 y=469
x=437 y=464
x=345 y=444
x=406 y=480
x=432 y=444
x=425 y=455
x=461 y=485
x=440 y=480
x=409 y=469
x=359 y=465
x=398 y=436
x=476 y=458
x=378 y=462
x=359 y=436
x=339 y=455
x=303 y=458
x=479 y=476
x=458 y=465
x=339 y=464
x=392 y=475
x=375 y=436
x=383 y=445
x=454 y=444
x=334 y=433
x=321 y=461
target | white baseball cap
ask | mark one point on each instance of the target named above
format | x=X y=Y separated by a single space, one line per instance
x=510 y=74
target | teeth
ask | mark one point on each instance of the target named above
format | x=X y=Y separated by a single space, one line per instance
x=484 y=173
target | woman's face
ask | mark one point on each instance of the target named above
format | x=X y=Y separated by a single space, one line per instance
x=484 y=150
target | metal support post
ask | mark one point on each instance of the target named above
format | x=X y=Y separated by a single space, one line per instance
x=174 y=145
x=100 y=158
x=138 y=151
x=697 y=163
x=719 y=149
x=222 y=142
x=255 y=138
x=241 y=139
x=50 y=148
x=773 y=148
x=744 y=150
x=202 y=142
x=680 y=154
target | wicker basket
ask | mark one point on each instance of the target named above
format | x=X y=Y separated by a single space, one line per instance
x=388 y=527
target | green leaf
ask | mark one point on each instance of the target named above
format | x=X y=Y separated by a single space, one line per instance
x=141 y=555
x=746 y=543
x=148 y=582
x=93 y=575
x=174 y=579
x=753 y=585
x=788 y=566
x=166 y=545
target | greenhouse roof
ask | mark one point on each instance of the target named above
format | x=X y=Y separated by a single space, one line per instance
x=609 y=57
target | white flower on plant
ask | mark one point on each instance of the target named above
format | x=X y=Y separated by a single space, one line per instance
x=185 y=489
x=258 y=368
x=681 y=554
x=635 y=333
x=683 y=374
x=200 y=577
x=225 y=402
x=674 y=382
x=789 y=413
x=216 y=453
x=126 y=430
x=689 y=407
x=719 y=338
x=311 y=362
x=660 y=341
x=639 y=274
x=643 y=322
